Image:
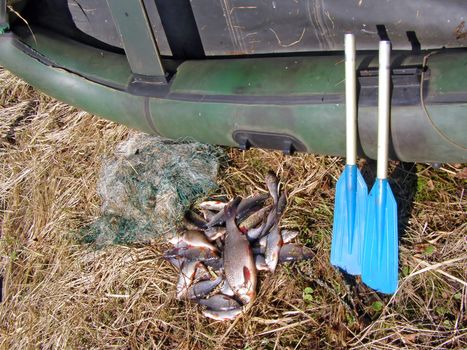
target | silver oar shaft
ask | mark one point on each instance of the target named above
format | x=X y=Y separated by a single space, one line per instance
x=383 y=108
x=350 y=100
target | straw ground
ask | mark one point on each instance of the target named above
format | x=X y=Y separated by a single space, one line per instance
x=61 y=294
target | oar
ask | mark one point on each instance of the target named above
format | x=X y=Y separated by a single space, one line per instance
x=351 y=190
x=380 y=244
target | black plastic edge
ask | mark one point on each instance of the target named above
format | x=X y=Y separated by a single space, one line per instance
x=286 y=143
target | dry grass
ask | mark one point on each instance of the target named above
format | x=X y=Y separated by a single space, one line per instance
x=58 y=294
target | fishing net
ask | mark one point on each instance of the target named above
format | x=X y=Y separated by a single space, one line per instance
x=147 y=185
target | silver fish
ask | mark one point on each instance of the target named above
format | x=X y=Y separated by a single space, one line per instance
x=263 y=241
x=177 y=262
x=258 y=250
x=195 y=219
x=212 y=205
x=281 y=204
x=215 y=232
x=246 y=206
x=239 y=264
x=186 y=277
x=219 y=302
x=226 y=290
x=294 y=252
x=222 y=315
x=197 y=239
x=203 y=288
x=250 y=204
x=288 y=235
x=189 y=225
x=207 y=214
x=254 y=219
x=260 y=263
x=273 y=247
x=202 y=273
x=254 y=233
x=220 y=243
x=192 y=253
x=275 y=214
x=215 y=264
x=272 y=182
x=270 y=221
x=217 y=219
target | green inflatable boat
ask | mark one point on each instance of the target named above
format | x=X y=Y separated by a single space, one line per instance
x=267 y=74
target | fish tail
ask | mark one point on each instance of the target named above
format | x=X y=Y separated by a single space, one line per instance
x=230 y=210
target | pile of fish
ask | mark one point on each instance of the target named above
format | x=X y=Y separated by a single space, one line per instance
x=220 y=253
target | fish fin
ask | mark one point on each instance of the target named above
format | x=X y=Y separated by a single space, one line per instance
x=282 y=202
x=230 y=209
x=246 y=275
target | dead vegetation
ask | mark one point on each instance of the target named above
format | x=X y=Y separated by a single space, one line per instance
x=60 y=294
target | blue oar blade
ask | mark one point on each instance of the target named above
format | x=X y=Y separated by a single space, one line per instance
x=349 y=220
x=380 y=245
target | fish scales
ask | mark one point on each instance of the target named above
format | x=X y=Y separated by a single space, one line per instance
x=273 y=247
x=222 y=315
x=219 y=302
x=203 y=288
x=272 y=183
x=239 y=265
